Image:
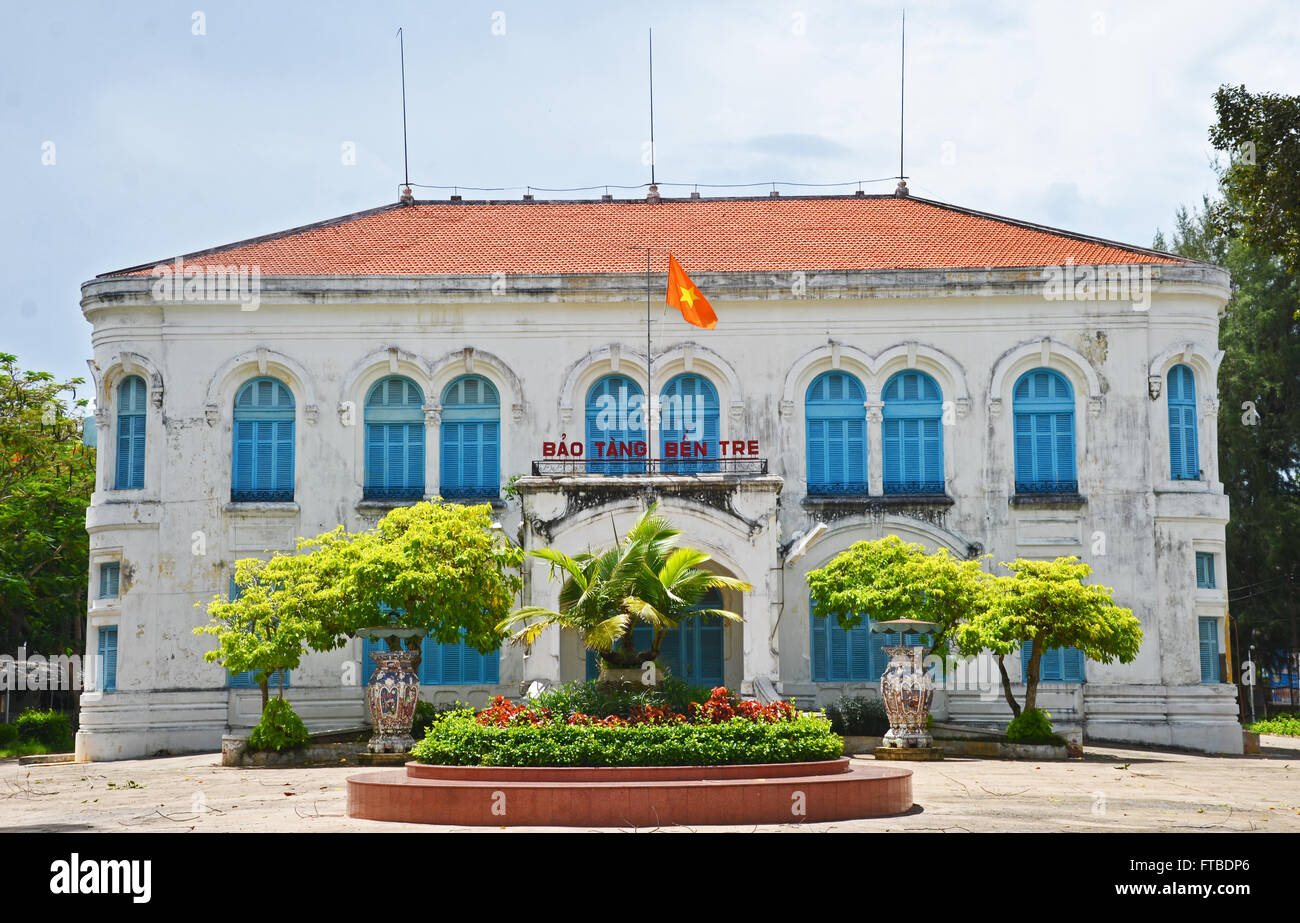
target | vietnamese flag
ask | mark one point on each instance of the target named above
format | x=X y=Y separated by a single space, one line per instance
x=686 y=297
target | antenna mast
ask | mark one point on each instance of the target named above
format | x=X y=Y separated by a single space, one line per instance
x=406 y=166
x=652 y=106
x=902 y=73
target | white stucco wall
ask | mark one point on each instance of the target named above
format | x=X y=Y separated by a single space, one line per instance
x=542 y=342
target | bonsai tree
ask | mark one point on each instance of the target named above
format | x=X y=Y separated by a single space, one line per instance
x=644 y=578
x=252 y=631
x=889 y=579
x=1047 y=603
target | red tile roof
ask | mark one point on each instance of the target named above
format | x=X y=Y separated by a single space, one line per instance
x=706 y=235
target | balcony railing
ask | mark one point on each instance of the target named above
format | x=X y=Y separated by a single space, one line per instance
x=907 y=488
x=470 y=493
x=261 y=495
x=393 y=493
x=569 y=467
x=1047 y=487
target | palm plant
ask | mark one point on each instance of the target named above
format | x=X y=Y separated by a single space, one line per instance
x=643 y=578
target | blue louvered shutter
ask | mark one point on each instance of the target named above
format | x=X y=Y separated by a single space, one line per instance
x=820 y=659
x=710 y=634
x=689 y=399
x=109 y=575
x=108 y=658
x=262 y=456
x=838 y=668
x=912 y=436
x=471 y=439
x=1059 y=664
x=1071 y=665
x=878 y=641
x=1205 y=570
x=835 y=419
x=131 y=402
x=860 y=651
x=394 y=419
x=1184 y=463
x=1043 y=410
x=449 y=466
x=1209 y=631
x=621 y=390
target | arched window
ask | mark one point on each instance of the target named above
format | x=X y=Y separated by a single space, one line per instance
x=262 y=458
x=1184 y=463
x=616 y=442
x=1043 y=404
x=394 y=416
x=912 y=433
x=470 y=464
x=835 y=411
x=131 y=396
x=693 y=651
x=688 y=425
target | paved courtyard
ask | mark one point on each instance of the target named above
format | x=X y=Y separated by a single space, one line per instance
x=1110 y=789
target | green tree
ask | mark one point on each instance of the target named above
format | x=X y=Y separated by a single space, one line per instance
x=1048 y=603
x=1261 y=184
x=643 y=578
x=890 y=579
x=46 y=479
x=437 y=567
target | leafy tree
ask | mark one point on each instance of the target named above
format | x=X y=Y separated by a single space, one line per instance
x=1261 y=184
x=432 y=566
x=1048 y=603
x=643 y=578
x=891 y=579
x=46 y=479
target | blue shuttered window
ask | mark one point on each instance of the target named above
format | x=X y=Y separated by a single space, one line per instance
x=131 y=398
x=394 y=417
x=912 y=435
x=1205 y=570
x=1043 y=403
x=855 y=655
x=109 y=575
x=688 y=425
x=470 y=463
x=108 y=658
x=248 y=678
x=1184 y=463
x=836 y=419
x=1059 y=664
x=1209 y=629
x=262 y=462
x=442 y=664
x=616 y=440
x=692 y=652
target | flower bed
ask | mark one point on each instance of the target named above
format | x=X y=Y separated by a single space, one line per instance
x=721 y=730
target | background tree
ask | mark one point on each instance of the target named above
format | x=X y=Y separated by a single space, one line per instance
x=1047 y=603
x=46 y=479
x=890 y=579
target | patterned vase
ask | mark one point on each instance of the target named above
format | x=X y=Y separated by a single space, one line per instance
x=394 y=691
x=907 y=689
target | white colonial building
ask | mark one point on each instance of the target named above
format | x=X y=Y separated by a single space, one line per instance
x=881 y=364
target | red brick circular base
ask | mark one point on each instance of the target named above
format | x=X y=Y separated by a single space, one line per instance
x=631 y=796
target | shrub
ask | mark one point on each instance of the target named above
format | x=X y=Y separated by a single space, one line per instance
x=1034 y=726
x=1286 y=725
x=461 y=739
x=279 y=729
x=8 y=734
x=858 y=716
x=50 y=728
x=426 y=713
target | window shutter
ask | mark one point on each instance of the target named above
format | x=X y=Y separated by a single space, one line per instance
x=912 y=452
x=820 y=659
x=891 y=443
x=284 y=457
x=489 y=456
x=450 y=470
x=855 y=448
x=375 y=472
x=1072 y=660
x=839 y=650
x=242 y=469
x=1026 y=653
x=108 y=580
x=1209 y=629
x=817 y=454
x=108 y=658
x=878 y=641
x=710 y=632
x=860 y=651
x=932 y=452
x=263 y=454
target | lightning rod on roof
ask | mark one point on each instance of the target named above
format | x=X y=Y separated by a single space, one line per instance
x=653 y=194
x=407 y=197
x=902 y=73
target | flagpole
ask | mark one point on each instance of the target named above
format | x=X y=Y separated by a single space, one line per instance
x=649 y=446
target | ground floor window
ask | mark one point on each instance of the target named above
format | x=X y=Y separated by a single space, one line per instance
x=1209 y=629
x=1059 y=664
x=855 y=655
x=248 y=680
x=442 y=664
x=108 y=658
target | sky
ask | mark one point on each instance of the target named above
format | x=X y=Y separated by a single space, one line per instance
x=135 y=131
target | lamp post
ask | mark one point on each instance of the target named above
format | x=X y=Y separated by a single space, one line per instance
x=907 y=689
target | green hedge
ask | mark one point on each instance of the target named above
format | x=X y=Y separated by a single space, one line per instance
x=49 y=728
x=8 y=735
x=279 y=729
x=858 y=715
x=1286 y=725
x=459 y=740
